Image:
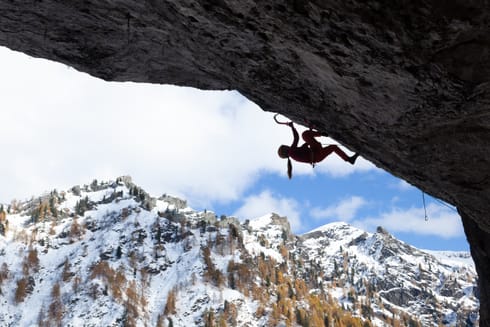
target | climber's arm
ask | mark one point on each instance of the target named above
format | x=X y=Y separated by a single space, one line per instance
x=295 y=135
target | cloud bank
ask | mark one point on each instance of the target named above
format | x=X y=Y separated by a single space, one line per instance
x=345 y=210
x=61 y=128
x=442 y=221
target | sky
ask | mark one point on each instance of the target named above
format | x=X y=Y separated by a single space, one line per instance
x=216 y=149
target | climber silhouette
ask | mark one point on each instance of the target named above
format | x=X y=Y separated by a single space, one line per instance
x=311 y=151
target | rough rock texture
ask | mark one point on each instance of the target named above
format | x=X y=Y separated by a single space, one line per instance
x=480 y=248
x=405 y=83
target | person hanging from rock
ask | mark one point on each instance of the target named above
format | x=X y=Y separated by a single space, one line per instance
x=311 y=151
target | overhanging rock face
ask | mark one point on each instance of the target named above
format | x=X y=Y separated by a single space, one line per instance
x=405 y=83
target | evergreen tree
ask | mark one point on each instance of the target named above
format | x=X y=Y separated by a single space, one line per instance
x=52 y=206
x=118 y=252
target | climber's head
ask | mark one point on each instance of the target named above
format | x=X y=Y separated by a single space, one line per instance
x=283 y=151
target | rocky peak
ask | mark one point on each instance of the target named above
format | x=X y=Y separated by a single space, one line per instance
x=402 y=275
x=174 y=201
x=282 y=222
x=381 y=230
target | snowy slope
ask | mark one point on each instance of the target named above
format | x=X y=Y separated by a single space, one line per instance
x=405 y=278
x=109 y=254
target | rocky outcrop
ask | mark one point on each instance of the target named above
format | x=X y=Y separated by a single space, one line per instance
x=283 y=223
x=175 y=202
x=402 y=276
x=405 y=83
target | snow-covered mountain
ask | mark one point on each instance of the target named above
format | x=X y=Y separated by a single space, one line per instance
x=435 y=287
x=108 y=254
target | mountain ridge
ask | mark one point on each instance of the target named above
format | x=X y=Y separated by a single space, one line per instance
x=109 y=253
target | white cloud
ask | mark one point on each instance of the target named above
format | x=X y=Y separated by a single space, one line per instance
x=403 y=186
x=345 y=210
x=337 y=167
x=442 y=221
x=60 y=127
x=261 y=204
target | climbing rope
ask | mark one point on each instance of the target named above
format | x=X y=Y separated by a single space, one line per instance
x=446 y=205
x=425 y=208
x=440 y=202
